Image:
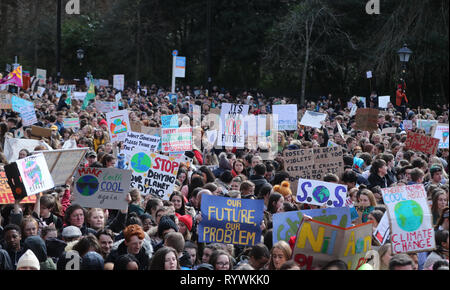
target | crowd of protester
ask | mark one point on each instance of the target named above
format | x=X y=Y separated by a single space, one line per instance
x=156 y=234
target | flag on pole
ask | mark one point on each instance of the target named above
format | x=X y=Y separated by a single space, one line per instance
x=69 y=96
x=15 y=77
x=90 y=94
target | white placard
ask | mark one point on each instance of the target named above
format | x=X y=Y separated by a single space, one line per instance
x=287 y=116
x=119 y=82
x=383 y=101
x=118 y=125
x=313 y=119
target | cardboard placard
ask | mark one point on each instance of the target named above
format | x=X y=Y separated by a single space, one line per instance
x=102 y=187
x=383 y=101
x=440 y=131
x=153 y=173
x=39 y=132
x=318 y=243
x=422 y=143
x=13 y=146
x=285 y=224
x=5 y=101
x=169 y=121
x=321 y=193
x=389 y=130
x=6 y=196
x=366 y=119
x=106 y=107
x=313 y=119
x=141 y=142
x=176 y=139
x=118 y=125
x=232 y=134
x=410 y=218
x=426 y=125
x=312 y=164
x=230 y=220
x=71 y=122
x=287 y=116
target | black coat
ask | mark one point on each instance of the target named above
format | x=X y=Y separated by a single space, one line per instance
x=375 y=179
x=142 y=257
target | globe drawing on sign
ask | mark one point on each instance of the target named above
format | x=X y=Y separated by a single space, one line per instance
x=118 y=126
x=409 y=215
x=141 y=162
x=321 y=194
x=87 y=185
x=32 y=172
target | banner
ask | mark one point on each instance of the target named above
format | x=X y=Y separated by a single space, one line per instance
x=230 y=220
x=422 y=143
x=312 y=164
x=287 y=116
x=106 y=107
x=410 y=218
x=118 y=125
x=176 y=139
x=13 y=146
x=169 y=121
x=102 y=187
x=440 y=131
x=318 y=243
x=321 y=193
x=119 y=82
x=29 y=176
x=285 y=224
x=140 y=142
x=366 y=119
x=18 y=104
x=383 y=101
x=313 y=119
x=153 y=173
x=6 y=196
x=71 y=123
x=63 y=163
x=426 y=125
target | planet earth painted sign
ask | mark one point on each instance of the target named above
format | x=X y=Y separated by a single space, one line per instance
x=410 y=218
x=118 y=125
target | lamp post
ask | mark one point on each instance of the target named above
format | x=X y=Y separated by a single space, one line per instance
x=404 y=53
x=80 y=55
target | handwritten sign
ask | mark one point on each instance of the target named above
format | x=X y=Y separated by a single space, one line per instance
x=5 y=101
x=232 y=133
x=285 y=224
x=313 y=119
x=106 y=107
x=312 y=163
x=321 y=193
x=426 y=125
x=383 y=101
x=118 y=125
x=410 y=218
x=440 y=131
x=28 y=115
x=176 y=139
x=287 y=116
x=230 y=220
x=71 y=123
x=366 y=119
x=119 y=82
x=318 y=243
x=407 y=125
x=6 y=196
x=389 y=130
x=102 y=187
x=422 y=143
x=153 y=173
x=141 y=142
x=169 y=121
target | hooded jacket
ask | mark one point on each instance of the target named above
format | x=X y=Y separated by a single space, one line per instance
x=37 y=245
x=5 y=261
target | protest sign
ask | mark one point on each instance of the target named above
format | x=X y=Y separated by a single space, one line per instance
x=426 y=125
x=169 y=121
x=6 y=196
x=287 y=116
x=353 y=110
x=211 y=137
x=341 y=133
x=318 y=243
x=153 y=173
x=440 y=131
x=383 y=101
x=140 y=142
x=102 y=187
x=232 y=133
x=312 y=119
x=28 y=115
x=389 y=130
x=13 y=146
x=383 y=231
x=422 y=143
x=410 y=218
x=229 y=113
x=39 y=132
x=331 y=144
x=71 y=123
x=29 y=176
x=41 y=75
x=230 y=220
x=5 y=101
x=63 y=163
x=118 y=125
x=321 y=193
x=407 y=125
x=195 y=110
x=18 y=104
x=285 y=224
x=80 y=96
x=106 y=107
x=312 y=163
x=119 y=82
x=40 y=91
x=176 y=139
x=366 y=119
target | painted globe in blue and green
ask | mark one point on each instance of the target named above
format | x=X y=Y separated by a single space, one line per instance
x=321 y=194
x=87 y=185
x=409 y=215
x=141 y=162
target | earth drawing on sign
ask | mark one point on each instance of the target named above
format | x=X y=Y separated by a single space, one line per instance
x=141 y=162
x=87 y=185
x=321 y=194
x=409 y=215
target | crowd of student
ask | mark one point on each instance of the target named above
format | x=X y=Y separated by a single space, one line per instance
x=56 y=233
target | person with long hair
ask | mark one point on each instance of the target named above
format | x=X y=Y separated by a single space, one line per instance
x=439 y=203
x=166 y=258
x=239 y=168
x=280 y=253
x=179 y=202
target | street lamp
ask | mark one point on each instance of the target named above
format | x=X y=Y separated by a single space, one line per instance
x=80 y=55
x=404 y=53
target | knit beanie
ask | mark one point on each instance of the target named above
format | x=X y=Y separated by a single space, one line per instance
x=28 y=259
x=284 y=188
x=92 y=261
x=166 y=223
x=187 y=220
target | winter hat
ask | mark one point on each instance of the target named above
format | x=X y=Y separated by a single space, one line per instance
x=28 y=259
x=187 y=220
x=71 y=232
x=103 y=122
x=37 y=245
x=92 y=261
x=435 y=168
x=284 y=188
x=166 y=223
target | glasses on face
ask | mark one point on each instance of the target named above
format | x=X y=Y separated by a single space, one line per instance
x=222 y=264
